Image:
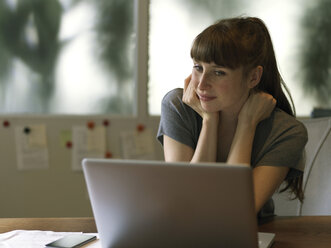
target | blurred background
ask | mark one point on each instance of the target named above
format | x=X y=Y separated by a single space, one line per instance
x=77 y=56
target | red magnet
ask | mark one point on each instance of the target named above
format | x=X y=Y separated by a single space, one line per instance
x=90 y=124
x=140 y=127
x=108 y=155
x=6 y=123
x=105 y=123
x=69 y=144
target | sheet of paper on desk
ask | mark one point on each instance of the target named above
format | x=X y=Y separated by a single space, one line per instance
x=31 y=147
x=87 y=143
x=36 y=239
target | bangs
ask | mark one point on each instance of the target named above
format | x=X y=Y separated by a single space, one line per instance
x=215 y=44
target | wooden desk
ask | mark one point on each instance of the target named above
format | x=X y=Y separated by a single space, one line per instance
x=291 y=232
x=86 y=225
x=300 y=232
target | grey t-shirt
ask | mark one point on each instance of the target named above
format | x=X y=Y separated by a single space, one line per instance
x=279 y=140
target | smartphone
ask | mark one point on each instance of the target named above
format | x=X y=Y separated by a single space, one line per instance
x=72 y=241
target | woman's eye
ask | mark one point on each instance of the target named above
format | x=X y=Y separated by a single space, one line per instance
x=197 y=67
x=219 y=73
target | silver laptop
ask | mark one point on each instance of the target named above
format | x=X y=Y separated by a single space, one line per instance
x=157 y=204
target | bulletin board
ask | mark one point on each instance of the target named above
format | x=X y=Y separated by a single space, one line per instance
x=40 y=172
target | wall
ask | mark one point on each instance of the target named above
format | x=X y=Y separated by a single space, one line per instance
x=57 y=191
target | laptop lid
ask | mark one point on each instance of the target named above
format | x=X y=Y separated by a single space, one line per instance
x=158 y=204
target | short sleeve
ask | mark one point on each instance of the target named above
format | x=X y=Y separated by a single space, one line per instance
x=178 y=121
x=285 y=145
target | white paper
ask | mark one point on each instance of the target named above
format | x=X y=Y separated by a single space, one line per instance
x=37 y=136
x=87 y=143
x=31 y=148
x=37 y=239
x=137 y=145
x=96 y=139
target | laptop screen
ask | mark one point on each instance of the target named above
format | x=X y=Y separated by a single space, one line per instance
x=159 y=204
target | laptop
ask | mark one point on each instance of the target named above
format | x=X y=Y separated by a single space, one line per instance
x=157 y=204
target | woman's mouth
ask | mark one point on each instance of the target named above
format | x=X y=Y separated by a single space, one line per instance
x=206 y=98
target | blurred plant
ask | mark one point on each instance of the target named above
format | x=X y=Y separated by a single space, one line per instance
x=316 y=52
x=114 y=29
x=29 y=32
x=217 y=9
x=5 y=58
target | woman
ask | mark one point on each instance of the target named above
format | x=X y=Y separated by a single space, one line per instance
x=233 y=109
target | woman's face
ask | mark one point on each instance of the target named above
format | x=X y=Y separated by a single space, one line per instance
x=219 y=88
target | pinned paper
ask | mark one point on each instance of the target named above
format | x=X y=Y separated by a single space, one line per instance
x=65 y=137
x=87 y=143
x=37 y=136
x=31 y=147
x=96 y=139
x=137 y=144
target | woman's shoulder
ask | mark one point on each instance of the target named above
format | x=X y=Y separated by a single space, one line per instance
x=173 y=104
x=174 y=95
x=283 y=122
x=173 y=101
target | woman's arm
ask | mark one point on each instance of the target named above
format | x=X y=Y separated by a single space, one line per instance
x=175 y=151
x=266 y=179
x=206 y=149
x=258 y=107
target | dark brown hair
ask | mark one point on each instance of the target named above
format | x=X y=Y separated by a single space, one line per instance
x=246 y=42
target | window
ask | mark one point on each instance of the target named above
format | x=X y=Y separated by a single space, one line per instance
x=300 y=31
x=79 y=56
x=67 y=56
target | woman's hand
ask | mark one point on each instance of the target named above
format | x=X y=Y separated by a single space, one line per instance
x=191 y=98
x=257 y=107
x=206 y=149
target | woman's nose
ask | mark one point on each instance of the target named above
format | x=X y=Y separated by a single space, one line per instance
x=203 y=82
